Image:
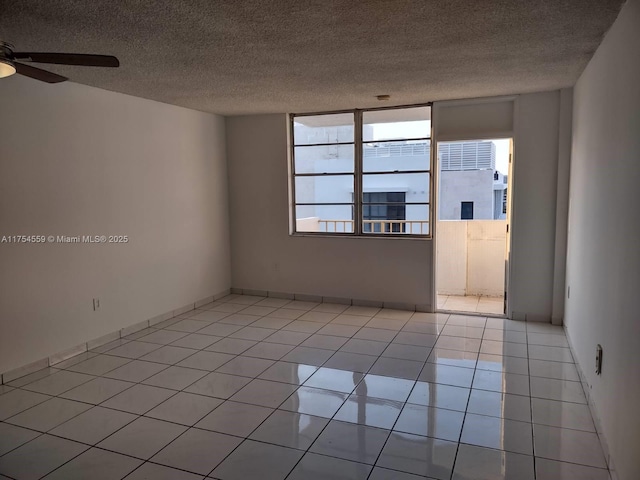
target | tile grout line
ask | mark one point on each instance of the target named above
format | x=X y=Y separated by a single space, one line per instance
x=533 y=437
x=346 y=398
x=464 y=417
x=403 y=407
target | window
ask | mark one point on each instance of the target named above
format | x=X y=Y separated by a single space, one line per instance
x=466 y=211
x=384 y=212
x=362 y=172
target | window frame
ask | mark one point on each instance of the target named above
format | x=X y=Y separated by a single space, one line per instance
x=358 y=176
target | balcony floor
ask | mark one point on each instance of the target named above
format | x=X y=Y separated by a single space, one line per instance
x=471 y=304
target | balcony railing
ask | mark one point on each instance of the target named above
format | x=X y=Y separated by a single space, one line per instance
x=335 y=226
x=316 y=224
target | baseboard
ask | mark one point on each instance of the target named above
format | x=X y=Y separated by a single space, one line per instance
x=161 y=318
x=256 y=293
x=530 y=317
x=400 y=306
x=337 y=300
x=424 y=308
x=56 y=358
x=533 y=317
x=285 y=296
x=64 y=355
x=184 y=309
x=98 y=342
x=367 y=303
x=16 y=373
x=594 y=411
x=203 y=301
x=305 y=297
x=135 y=328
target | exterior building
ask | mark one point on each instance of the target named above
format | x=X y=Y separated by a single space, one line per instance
x=470 y=186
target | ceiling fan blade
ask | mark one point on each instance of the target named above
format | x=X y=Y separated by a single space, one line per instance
x=39 y=74
x=69 y=59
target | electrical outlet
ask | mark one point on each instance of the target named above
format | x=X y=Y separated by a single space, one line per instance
x=598 y=359
x=96 y=304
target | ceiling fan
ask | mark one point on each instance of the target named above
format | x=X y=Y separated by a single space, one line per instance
x=10 y=63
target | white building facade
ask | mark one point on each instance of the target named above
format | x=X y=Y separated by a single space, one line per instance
x=470 y=186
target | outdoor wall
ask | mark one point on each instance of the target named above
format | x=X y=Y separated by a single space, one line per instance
x=76 y=160
x=466 y=186
x=471 y=259
x=603 y=267
x=485 y=250
x=265 y=257
x=452 y=258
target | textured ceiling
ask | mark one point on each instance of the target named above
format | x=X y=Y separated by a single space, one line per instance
x=266 y=56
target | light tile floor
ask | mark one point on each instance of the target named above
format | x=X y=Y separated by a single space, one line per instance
x=271 y=389
x=471 y=304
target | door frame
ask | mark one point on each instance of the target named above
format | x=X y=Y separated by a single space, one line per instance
x=435 y=169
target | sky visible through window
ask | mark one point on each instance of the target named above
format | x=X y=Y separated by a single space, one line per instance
x=403 y=130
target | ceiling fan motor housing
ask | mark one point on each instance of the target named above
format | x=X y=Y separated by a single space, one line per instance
x=6 y=51
x=7 y=67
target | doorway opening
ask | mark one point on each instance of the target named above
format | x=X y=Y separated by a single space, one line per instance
x=473 y=208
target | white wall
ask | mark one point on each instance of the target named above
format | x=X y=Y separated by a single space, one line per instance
x=76 y=160
x=265 y=257
x=603 y=267
x=533 y=224
x=474 y=119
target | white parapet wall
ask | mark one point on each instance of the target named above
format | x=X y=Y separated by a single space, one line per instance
x=309 y=224
x=471 y=257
